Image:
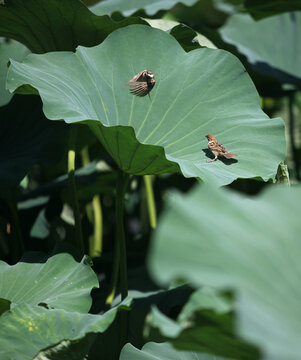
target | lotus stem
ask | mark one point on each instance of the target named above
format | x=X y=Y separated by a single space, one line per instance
x=94 y=213
x=72 y=186
x=151 y=206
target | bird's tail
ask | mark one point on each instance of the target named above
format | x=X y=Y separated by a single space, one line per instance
x=228 y=155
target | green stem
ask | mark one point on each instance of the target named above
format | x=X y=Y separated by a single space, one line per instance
x=122 y=180
x=151 y=206
x=72 y=186
x=96 y=249
x=119 y=261
x=94 y=214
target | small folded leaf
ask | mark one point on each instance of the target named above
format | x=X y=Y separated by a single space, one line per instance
x=9 y=50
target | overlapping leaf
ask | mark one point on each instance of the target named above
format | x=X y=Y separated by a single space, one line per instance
x=196 y=93
x=272 y=41
x=60 y=283
x=129 y=7
x=251 y=246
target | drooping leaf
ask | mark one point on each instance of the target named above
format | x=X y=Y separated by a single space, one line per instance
x=246 y=245
x=26 y=329
x=60 y=283
x=204 y=325
x=13 y=50
x=272 y=41
x=196 y=93
x=264 y=8
x=154 y=351
x=168 y=301
x=129 y=7
x=27 y=137
x=50 y=25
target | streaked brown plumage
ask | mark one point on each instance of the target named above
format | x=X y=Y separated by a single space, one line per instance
x=217 y=148
x=142 y=83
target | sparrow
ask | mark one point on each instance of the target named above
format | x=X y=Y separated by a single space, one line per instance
x=217 y=148
x=142 y=83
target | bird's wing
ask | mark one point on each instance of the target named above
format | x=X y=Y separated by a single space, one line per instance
x=139 y=77
x=139 y=88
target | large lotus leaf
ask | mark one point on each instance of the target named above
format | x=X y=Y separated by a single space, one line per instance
x=13 y=50
x=196 y=93
x=154 y=351
x=272 y=40
x=129 y=7
x=50 y=25
x=251 y=246
x=27 y=137
x=60 y=283
x=264 y=8
x=27 y=329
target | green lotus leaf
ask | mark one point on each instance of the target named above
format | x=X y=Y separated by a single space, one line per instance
x=264 y=8
x=250 y=246
x=26 y=330
x=50 y=25
x=196 y=93
x=154 y=351
x=256 y=40
x=60 y=283
x=129 y=7
x=13 y=50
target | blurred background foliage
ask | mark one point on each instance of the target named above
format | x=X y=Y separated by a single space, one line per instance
x=35 y=201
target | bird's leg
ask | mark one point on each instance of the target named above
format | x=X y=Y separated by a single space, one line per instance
x=149 y=97
x=212 y=159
